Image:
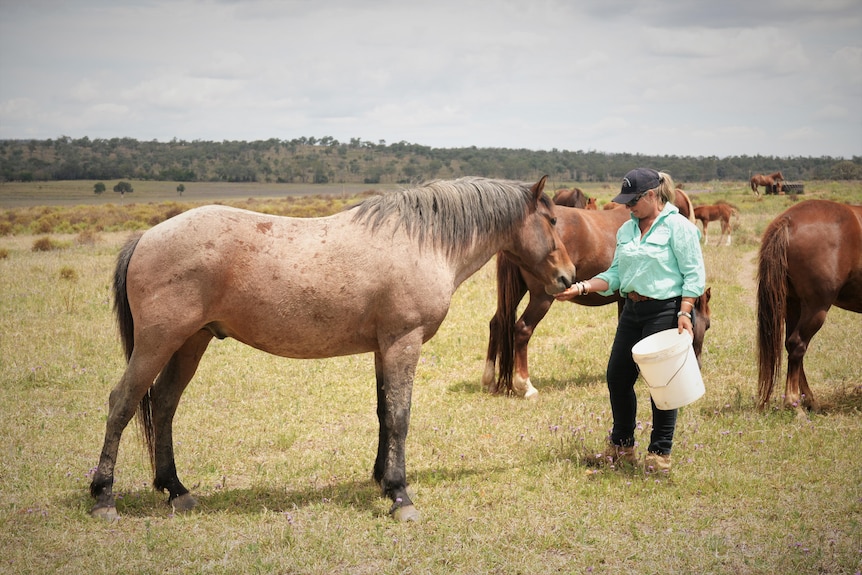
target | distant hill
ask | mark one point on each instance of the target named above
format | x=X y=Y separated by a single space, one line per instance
x=326 y=160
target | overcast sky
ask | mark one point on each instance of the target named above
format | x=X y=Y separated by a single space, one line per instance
x=693 y=78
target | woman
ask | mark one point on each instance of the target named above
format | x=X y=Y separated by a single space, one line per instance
x=658 y=268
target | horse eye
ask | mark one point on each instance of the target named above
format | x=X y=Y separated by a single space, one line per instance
x=553 y=221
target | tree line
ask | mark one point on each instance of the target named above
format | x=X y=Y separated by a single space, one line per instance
x=326 y=160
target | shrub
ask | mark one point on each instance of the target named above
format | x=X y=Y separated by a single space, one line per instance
x=45 y=244
x=87 y=237
x=4 y=253
x=68 y=273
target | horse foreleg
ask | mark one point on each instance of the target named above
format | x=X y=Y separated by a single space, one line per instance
x=705 y=232
x=165 y=397
x=536 y=309
x=122 y=404
x=395 y=368
x=490 y=372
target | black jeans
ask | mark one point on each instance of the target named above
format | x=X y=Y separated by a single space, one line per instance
x=637 y=321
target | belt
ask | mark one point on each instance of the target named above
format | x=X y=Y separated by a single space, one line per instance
x=636 y=297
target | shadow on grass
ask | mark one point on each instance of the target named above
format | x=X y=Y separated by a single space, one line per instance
x=843 y=399
x=363 y=496
x=581 y=380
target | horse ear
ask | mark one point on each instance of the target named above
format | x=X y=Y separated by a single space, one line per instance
x=539 y=188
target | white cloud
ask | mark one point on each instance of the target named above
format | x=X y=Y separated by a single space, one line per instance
x=655 y=78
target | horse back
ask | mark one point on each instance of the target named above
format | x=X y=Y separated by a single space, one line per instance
x=824 y=251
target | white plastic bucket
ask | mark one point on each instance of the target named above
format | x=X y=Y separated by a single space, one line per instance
x=667 y=363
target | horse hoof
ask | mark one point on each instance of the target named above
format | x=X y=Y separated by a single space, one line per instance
x=406 y=513
x=105 y=513
x=183 y=503
x=532 y=393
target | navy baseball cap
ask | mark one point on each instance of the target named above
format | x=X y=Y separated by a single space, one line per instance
x=637 y=182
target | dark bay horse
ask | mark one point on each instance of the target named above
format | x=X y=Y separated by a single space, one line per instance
x=722 y=212
x=810 y=260
x=574 y=198
x=376 y=278
x=590 y=239
x=769 y=182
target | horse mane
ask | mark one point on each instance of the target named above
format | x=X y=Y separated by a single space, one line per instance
x=450 y=213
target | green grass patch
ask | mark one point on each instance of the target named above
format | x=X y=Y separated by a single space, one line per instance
x=279 y=451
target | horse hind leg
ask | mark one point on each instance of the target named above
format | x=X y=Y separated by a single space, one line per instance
x=123 y=402
x=797 y=392
x=164 y=399
x=725 y=233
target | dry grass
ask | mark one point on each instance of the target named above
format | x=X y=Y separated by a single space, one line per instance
x=279 y=451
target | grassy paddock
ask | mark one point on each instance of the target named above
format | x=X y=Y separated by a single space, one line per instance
x=279 y=451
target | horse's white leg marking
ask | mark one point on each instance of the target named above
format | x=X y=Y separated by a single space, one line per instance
x=524 y=387
x=488 y=376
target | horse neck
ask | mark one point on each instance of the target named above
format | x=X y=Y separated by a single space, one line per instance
x=471 y=259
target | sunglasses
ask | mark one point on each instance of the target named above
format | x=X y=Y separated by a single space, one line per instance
x=631 y=203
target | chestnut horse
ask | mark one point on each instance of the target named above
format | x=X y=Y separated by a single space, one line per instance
x=590 y=239
x=722 y=212
x=681 y=201
x=769 y=182
x=376 y=278
x=810 y=260
x=574 y=198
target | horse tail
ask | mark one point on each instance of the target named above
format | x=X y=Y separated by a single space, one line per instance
x=126 y=325
x=122 y=311
x=771 y=305
x=688 y=209
x=510 y=288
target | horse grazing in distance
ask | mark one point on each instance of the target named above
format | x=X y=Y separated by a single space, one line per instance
x=590 y=239
x=722 y=212
x=769 y=182
x=574 y=198
x=810 y=260
x=378 y=278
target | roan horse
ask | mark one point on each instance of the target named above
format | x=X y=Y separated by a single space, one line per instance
x=769 y=182
x=722 y=211
x=590 y=239
x=810 y=260
x=376 y=278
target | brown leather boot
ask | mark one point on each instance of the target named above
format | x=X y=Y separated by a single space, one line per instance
x=657 y=463
x=615 y=455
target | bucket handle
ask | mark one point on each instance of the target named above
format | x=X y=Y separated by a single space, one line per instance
x=682 y=365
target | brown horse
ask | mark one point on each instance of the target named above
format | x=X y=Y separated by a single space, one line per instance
x=769 y=182
x=376 y=278
x=721 y=211
x=590 y=239
x=591 y=204
x=810 y=260
x=574 y=198
x=680 y=200
x=684 y=205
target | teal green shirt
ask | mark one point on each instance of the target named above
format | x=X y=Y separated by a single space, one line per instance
x=665 y=263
